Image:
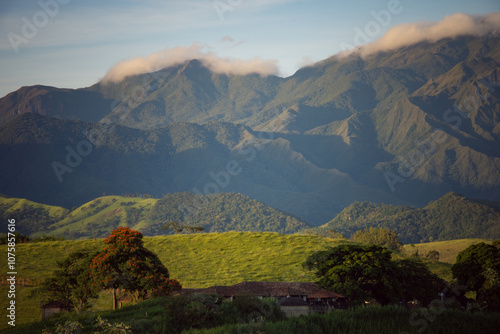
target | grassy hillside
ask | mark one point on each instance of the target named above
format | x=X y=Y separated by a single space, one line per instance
x=450 y=217
x=199 y=260
x=96 y=219
x=196 y=260
x=30 y=216
x=448 y=249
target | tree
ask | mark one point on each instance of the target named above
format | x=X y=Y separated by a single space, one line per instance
x=179 y=228
x=378 y=236
x=433 y=255
x=20 y=239
x=71 y=282
x=126 y=264
x=334 y=234
x=417 y=281
x=360 y=272
x=478 y=268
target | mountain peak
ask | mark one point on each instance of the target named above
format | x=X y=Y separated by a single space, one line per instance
x=342 y=130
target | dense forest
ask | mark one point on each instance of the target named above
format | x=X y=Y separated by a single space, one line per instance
x=221 y=213
x=450 y=217
x=214 y=213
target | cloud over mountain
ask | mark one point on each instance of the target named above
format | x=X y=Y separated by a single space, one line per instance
x=451 y=26
x=169 y=57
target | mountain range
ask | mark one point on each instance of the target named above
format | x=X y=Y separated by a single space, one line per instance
x=399 y=127
x=96 y=219
x=450 y=217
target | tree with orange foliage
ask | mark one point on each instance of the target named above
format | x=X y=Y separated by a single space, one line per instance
x=126 y=264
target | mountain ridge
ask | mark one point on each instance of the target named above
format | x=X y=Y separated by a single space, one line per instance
x=97 y=218
x=450 y=217
x=401 y=127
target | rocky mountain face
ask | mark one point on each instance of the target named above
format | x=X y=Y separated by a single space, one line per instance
x=399 y=127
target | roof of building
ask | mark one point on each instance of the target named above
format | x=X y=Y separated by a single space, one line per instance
x=268 y=289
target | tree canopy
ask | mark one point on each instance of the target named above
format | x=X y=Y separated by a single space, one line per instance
x=378 y=236
x=417 y=281
x=71 y=282
x=478 y=269
x=367 y=272
x=358 y=271
x=126 y=264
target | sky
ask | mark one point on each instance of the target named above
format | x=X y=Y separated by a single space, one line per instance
x=76 y=43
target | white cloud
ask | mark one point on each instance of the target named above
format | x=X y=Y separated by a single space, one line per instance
x=305 y=61
x=451 y=26
x=178 y=55
x=227 y=39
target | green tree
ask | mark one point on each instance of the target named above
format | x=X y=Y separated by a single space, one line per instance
x=433 y=255
x=334 y=234
x=199 y=310
x=359 y=272
x=126 y=264
x=179 y=228
x=20 y=239
x=378 y=236
x=71 y=281
x=478 y=268
x=417 y=281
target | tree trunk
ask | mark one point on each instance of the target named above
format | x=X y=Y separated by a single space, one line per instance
x=114 y=299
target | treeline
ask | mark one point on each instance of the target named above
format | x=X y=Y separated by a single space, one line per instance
x=29 y=219
x=96 y=219
x=23 y=239
x=220 y=213
x=450 y=217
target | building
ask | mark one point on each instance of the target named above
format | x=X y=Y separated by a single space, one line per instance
x=294 y=306
x=51 y=308
x=295 y=298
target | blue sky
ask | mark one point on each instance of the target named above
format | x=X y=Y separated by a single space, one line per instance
x=76 y=42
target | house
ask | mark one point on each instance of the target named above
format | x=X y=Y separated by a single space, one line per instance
x=288 y=294
x=294 y=306
x=51 y=308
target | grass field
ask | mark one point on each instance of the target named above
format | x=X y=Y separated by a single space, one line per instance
x=373 y=319
x=148 y=317
x=448 y=250
x=197 y=260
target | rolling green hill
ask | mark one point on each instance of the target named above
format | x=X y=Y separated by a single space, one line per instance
x=197 y=260
x=451 y=217
x=96 y=219
x=30 y=217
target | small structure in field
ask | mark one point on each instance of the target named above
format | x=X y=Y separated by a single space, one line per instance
x=54 y=307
